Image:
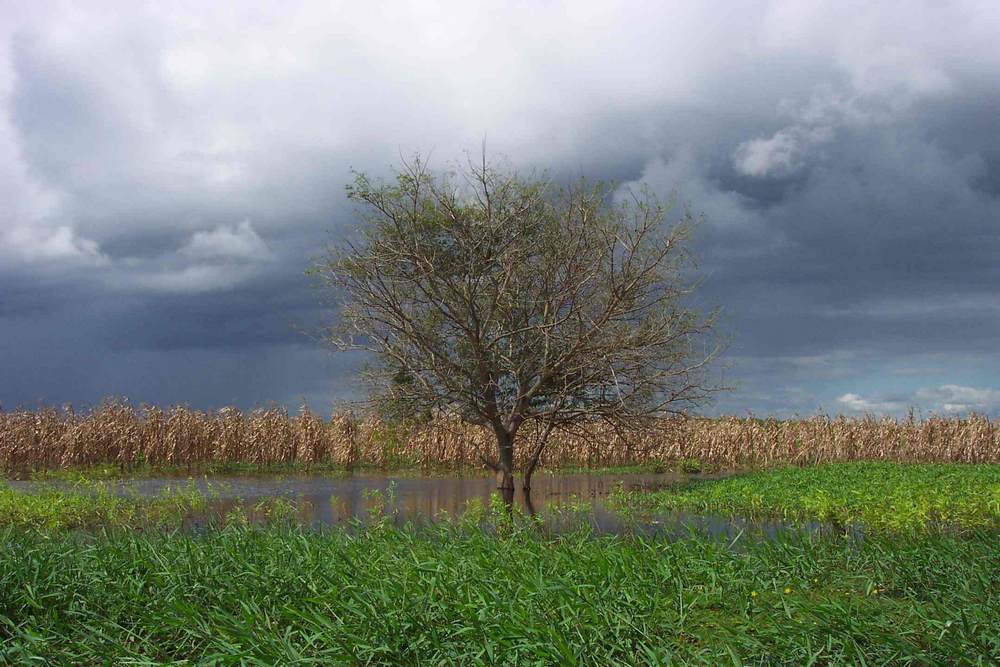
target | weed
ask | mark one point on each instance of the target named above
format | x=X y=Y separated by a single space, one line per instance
x=878 y=496
x=284 y=595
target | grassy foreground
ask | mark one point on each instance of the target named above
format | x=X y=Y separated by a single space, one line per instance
x=457 y=594
x=280 y=595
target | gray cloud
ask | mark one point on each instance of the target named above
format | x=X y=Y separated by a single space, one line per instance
x=168 y=171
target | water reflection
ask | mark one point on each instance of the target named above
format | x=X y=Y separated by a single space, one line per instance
x=338 y=501
x=560 y=501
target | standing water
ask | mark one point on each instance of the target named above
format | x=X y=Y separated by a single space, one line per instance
x=561 y=501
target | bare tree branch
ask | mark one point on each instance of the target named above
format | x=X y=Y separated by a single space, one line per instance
x=506 y=301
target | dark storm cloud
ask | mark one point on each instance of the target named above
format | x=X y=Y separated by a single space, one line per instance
x=170 y=172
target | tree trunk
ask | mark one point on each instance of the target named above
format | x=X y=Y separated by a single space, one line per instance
x=527 y=475
x=536 y=456
x=528 y=505
x=505 y=443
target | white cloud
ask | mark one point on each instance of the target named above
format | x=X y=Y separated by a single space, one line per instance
x=236 y=242
x=957 y=398
x=857 y=403
x=215 y=259
x=685 y=175
x=816 y=121
x=782 y=153
x=38 y=245
x=183 y=104
x=945 y=399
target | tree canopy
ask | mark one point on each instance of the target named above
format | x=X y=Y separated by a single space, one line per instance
x=510 y=300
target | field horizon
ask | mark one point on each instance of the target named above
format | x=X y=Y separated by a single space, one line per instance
x=118 y=434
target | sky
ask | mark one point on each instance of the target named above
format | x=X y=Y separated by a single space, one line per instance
x=169 y=170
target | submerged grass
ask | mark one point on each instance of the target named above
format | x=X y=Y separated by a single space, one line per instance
x=96 y=504
x=451 y=595
x=878 y=496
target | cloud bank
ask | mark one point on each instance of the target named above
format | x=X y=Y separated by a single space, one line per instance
x=168 y=171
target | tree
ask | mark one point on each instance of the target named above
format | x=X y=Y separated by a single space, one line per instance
x=519 y=305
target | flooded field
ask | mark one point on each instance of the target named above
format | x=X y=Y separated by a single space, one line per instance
x=761 y=553
x=562 y=501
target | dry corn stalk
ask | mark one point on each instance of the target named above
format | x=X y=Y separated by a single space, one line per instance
x=118 y=434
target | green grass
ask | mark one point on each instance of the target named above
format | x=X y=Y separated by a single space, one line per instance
x=273 y=595
x=456 y=594
x=878 y=496
x=95 y=504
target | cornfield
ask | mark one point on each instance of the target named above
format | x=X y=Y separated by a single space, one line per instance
x=116 y=433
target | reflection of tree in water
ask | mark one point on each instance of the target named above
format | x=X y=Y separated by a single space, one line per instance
x=529 y=505
x=331 y=501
